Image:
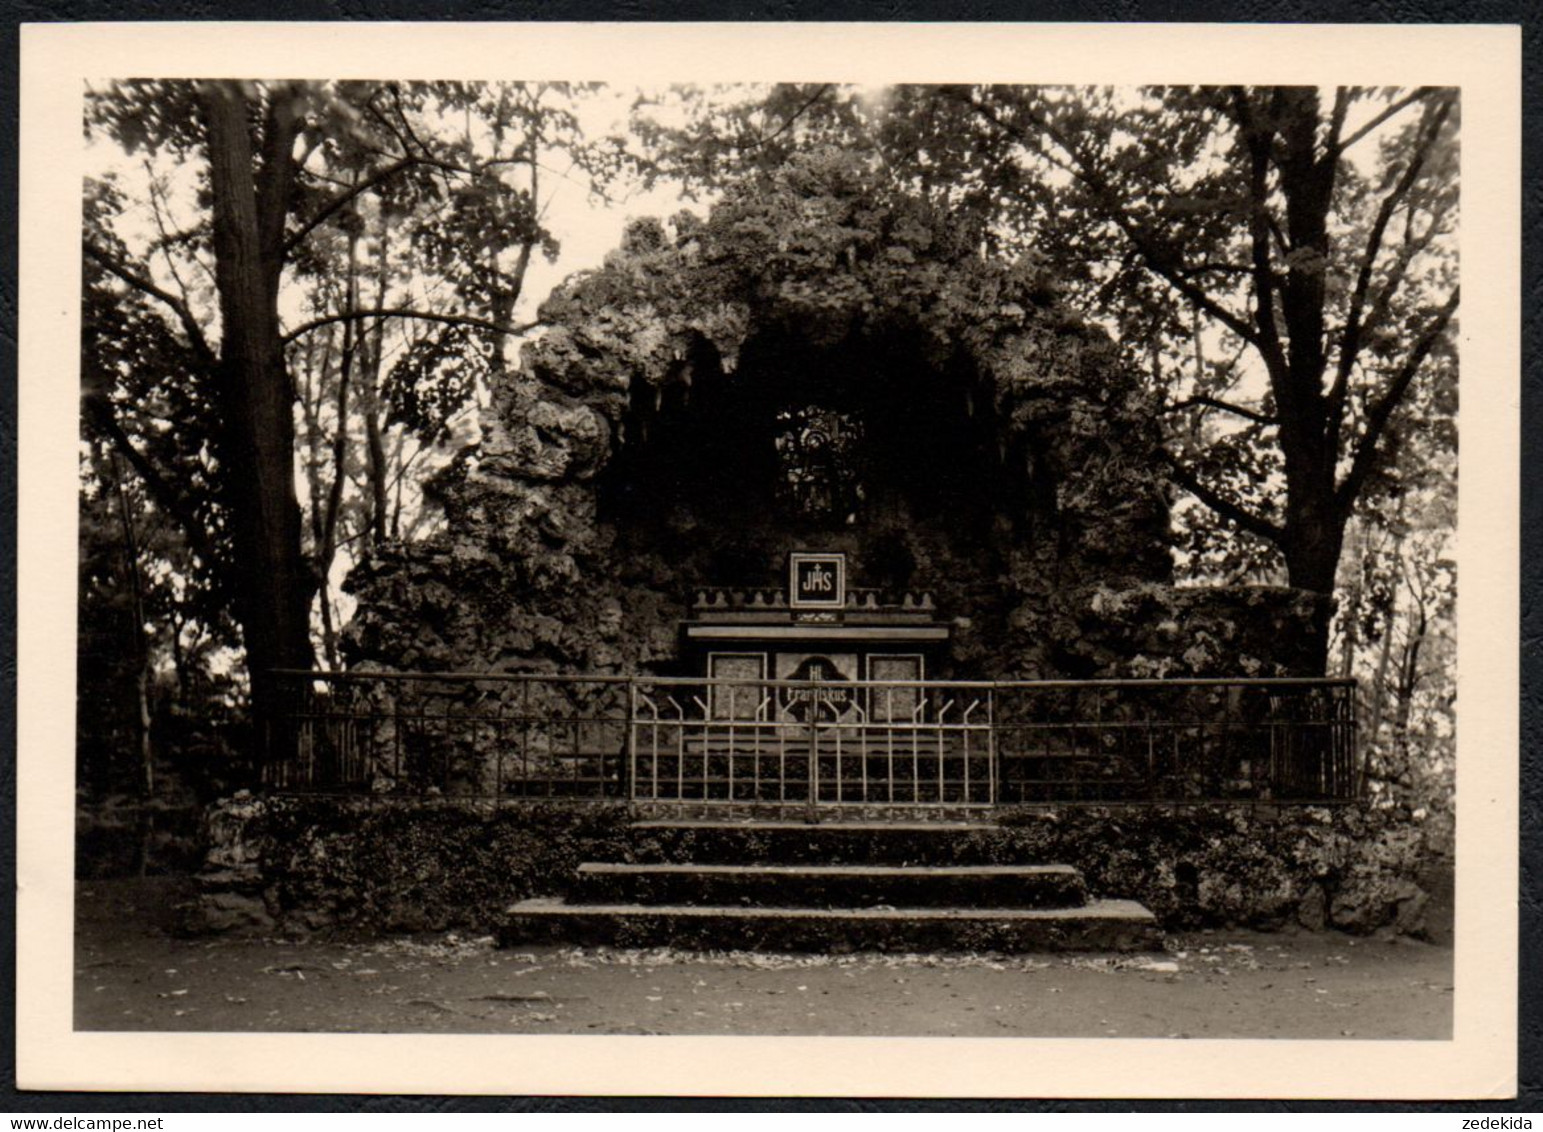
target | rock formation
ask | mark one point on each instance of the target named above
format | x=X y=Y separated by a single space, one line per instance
x=814 y=366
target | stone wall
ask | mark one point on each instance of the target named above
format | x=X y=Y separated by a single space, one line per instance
x=322 y=864
x=292 y=864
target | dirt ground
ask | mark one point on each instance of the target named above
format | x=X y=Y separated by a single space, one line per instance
x=131 y=973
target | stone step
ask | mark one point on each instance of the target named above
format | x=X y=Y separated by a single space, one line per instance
x=1103 y=925
x=793 y=842
x=832 y=886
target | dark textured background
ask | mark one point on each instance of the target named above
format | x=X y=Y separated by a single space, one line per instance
x=1526 y=12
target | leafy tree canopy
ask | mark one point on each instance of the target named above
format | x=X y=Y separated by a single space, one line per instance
x=1279 y=263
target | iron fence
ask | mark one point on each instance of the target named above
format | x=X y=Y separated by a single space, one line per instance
x=1280 y=740
x=452 y=733
x=799 y=743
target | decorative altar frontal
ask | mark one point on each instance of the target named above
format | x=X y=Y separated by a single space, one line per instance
x=816 y=629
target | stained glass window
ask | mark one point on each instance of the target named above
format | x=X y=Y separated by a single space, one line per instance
x=820 y=457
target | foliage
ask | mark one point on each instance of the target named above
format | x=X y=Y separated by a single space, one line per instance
x=1274 y=267
x=807 y=250
x=153 y=646
x=1155 y=631
x=1279 y=267
x=1011 y=455
x=334 y=261
x=1286 y=292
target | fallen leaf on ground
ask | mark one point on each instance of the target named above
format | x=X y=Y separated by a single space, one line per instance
x=536 y=996
x=440 y=1006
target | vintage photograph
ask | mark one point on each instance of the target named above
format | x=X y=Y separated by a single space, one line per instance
x=773 y=558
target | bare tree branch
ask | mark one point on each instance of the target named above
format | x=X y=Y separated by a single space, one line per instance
x=1159 y=259
x=100 y=409
x=1226 y=407
x=143 y=284
x=787 y=124
x=1413 y=246
x=1350 y=345
x=1226 y=508
x=1217 y=268
x=1381 y=412
x=167 y=240
x=424 y=316
x=1394 y=108
x=343 y=199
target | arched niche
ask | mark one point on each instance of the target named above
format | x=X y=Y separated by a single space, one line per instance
x=993 y=448
x=864 y=445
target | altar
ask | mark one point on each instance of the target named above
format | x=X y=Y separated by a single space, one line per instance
x=850 y=641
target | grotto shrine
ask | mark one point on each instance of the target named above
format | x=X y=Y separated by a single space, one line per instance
x=811 y=580
x=813 y=473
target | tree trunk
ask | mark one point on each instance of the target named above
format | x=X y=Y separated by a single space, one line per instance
x=1350 y=633
x=1395 y=556
x=327 y=540
x=1314 y=531
x=1314 y=537
x=379 y=467
x=274 y=586
x=380 y=502
x=1379 y=698
x=179 y=661
x=1408 y=682
x=141 y=647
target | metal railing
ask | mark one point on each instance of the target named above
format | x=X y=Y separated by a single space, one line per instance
x=460 y=734
x=1259 y=740
x=799 y=742
x=810 y=744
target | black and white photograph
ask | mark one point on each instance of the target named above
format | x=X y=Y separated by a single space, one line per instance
x=700 y=554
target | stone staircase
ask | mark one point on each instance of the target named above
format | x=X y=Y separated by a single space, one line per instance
x=838 y=886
